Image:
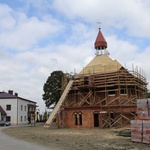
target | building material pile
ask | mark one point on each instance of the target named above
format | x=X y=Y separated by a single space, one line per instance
x=140 y=127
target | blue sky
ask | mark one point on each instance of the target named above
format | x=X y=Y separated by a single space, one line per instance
x=38 y=37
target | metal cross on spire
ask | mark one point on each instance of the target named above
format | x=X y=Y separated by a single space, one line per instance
x=99 y=24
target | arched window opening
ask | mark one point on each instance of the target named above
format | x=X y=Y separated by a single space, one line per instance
x=78 y=118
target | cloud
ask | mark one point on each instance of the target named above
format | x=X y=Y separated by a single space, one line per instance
x=39 y=5
x=23 y=33
x=61 y=37
x=7 y=22
x=121 y=50
x=130 y=55
x=131 y=15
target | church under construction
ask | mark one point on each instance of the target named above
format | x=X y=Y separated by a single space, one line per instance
x=103 y=94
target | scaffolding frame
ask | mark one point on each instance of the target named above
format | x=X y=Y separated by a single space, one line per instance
x=115 y=93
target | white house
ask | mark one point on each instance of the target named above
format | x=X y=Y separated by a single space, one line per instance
x=15 y=109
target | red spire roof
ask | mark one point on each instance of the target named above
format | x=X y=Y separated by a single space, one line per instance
x=100 y=42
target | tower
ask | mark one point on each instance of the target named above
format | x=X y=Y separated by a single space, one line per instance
x=100 y=44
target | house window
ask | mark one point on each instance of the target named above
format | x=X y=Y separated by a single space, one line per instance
x=25 y=118
x=8 y=118
x=8 y=107
x=21 y=118
x=32 y=109
x=78 y=118
x=25 y=108
x=21 y=107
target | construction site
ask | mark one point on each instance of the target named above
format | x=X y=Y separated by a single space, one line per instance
x=103 y=94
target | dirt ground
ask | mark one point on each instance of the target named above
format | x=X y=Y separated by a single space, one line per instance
x=75 y=139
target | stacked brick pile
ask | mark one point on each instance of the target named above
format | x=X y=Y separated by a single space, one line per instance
x=140 y=127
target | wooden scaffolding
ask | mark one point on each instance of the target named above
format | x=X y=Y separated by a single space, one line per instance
x=104 y=91
x=114 y=94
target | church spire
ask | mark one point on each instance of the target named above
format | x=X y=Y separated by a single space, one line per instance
x=100 y=43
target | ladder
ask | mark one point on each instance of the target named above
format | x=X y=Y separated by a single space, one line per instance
x=58 y=105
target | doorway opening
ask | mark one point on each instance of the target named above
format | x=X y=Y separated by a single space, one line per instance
x=96 y=120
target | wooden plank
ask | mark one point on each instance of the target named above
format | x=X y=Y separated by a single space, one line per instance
x=58 y=105
x=85 y=98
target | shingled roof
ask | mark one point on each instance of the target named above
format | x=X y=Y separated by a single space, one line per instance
x=7 y=95
x=101 y=64
x=10 y=95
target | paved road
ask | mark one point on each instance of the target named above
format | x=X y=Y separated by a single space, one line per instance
x=10 y=143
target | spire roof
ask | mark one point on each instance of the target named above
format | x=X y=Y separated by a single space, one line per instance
x=100 y=42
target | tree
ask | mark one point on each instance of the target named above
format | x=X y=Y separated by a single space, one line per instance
x=52 y=88
x=148 y=94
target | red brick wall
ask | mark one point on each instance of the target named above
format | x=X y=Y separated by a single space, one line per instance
x=68 y=120
x=67 y=117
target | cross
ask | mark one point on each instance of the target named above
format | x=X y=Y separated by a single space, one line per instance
x=99 y=24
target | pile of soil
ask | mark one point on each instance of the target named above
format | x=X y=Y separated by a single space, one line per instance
x=75 y=139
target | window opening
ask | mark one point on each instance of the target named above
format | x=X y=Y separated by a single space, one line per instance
x=78 y=119
x=8 y=107
x=75 y=119
x=21 y=107
x=123 y=91
x=8 y=118
x=111 y=93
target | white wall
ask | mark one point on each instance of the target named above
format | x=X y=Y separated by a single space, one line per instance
x=16 y=111
x=13 y=111
x=22 y=112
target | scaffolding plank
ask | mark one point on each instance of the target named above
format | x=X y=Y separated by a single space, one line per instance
x=58 y=105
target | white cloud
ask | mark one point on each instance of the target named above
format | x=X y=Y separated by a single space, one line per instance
x=39 y=4
x=21 y=32
x=121 y=50
x=32 y=46
x=7 y=22
x=130 y=55
x=132 y=15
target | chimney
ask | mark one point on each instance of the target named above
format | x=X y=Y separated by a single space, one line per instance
x=10 y=92
x=16 y=94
